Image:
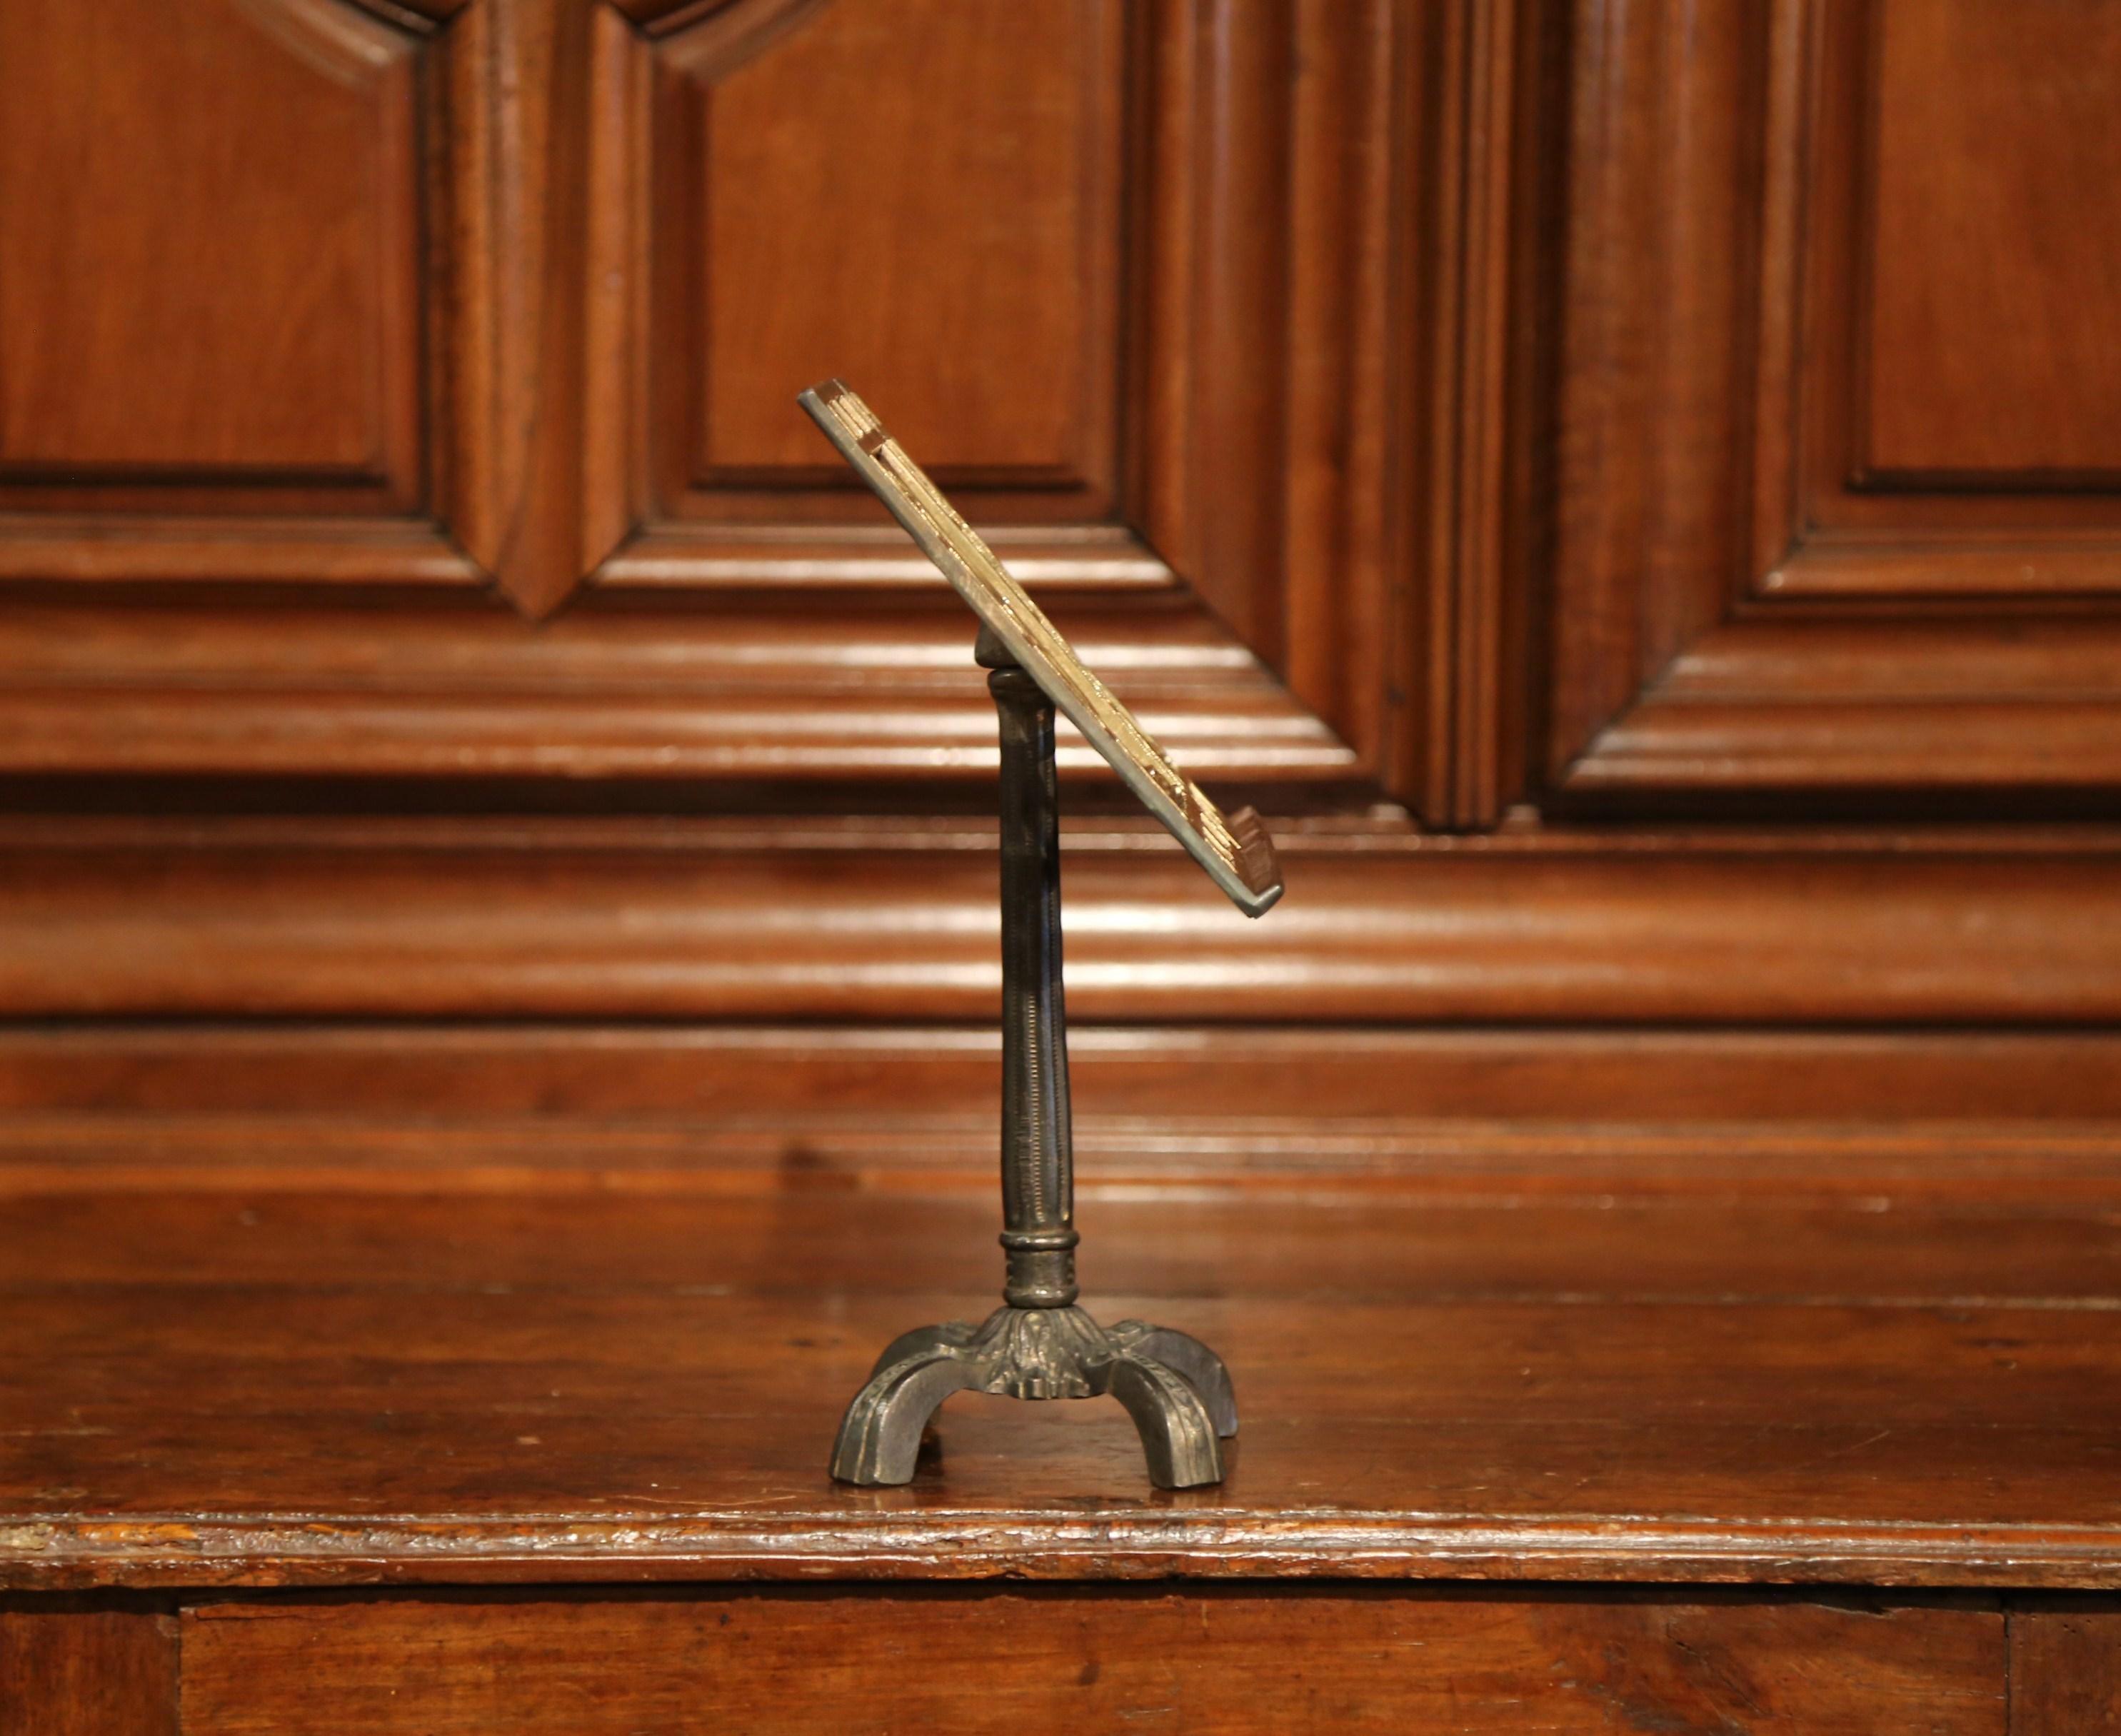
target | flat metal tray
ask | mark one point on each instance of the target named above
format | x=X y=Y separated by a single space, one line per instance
x=1235 y=848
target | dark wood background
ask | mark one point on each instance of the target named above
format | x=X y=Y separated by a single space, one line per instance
x=498 y=954
x=1634 y=486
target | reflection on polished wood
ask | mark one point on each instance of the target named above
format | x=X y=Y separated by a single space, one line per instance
x=271 y=1387
x=889 y=919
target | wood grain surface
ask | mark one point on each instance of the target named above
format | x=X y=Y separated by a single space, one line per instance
x=1782 y=245
x=534 y=273
x=2065 y=1671
x=825 y=185
x=253 y=315
x=1991 y=355
x=256 y=1389
x=1986 y=1119
x=68 y=1671
x=1302 y=1095
x=874 y=693
x=1629 y=487
x=1039 y=1662
x=1572 y=406
x=884 y=920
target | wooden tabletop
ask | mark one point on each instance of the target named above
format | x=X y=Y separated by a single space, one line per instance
x=261 y=1383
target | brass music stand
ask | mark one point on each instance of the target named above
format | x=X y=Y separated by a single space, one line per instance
x=1039 y=1344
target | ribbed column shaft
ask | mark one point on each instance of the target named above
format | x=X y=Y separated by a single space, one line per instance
x=1037 y=1165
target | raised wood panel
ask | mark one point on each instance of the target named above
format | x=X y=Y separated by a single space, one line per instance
x=799 y=205
x=212 y=273
x=1735 y=186
x=1165 y=284
x=362 y=354
x=1934 y=183
x=1018 y=291
x=1992 y=327
x=807 y=201
x=1041 y=1663
x=877 y=920
x=243 y=340
x=1247 y=241
x=905 y=194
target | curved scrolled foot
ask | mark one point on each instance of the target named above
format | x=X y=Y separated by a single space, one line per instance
x=1177 y=1434
x=950 y=1335
x=880 y=1435
x=1186 y=1355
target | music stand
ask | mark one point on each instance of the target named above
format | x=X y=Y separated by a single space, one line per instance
x=1039 y=1344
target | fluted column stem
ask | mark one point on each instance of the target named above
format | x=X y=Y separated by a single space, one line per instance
x=1037 y=1167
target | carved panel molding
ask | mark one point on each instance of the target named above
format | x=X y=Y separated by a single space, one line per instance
x=1175 y=296
x=213 y=303
x=1832 y=515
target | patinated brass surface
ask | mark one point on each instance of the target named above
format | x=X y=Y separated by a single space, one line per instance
x=1039 y=1344
x=1235 y=850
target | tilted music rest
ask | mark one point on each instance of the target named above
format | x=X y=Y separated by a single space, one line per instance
x=1039 y=1344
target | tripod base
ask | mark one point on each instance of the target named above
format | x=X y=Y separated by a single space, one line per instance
x=1174 y=1387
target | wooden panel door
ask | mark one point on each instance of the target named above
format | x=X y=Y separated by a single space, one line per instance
x=1078 y=259
x=212 y=360
x=1426 y=416
x=281 y=312
x=1839 y=469
x=338 y=342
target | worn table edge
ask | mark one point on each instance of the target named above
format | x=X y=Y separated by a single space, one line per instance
x=153 y=1552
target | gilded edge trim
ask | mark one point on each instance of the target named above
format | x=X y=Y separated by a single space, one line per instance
x=1237 y=852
